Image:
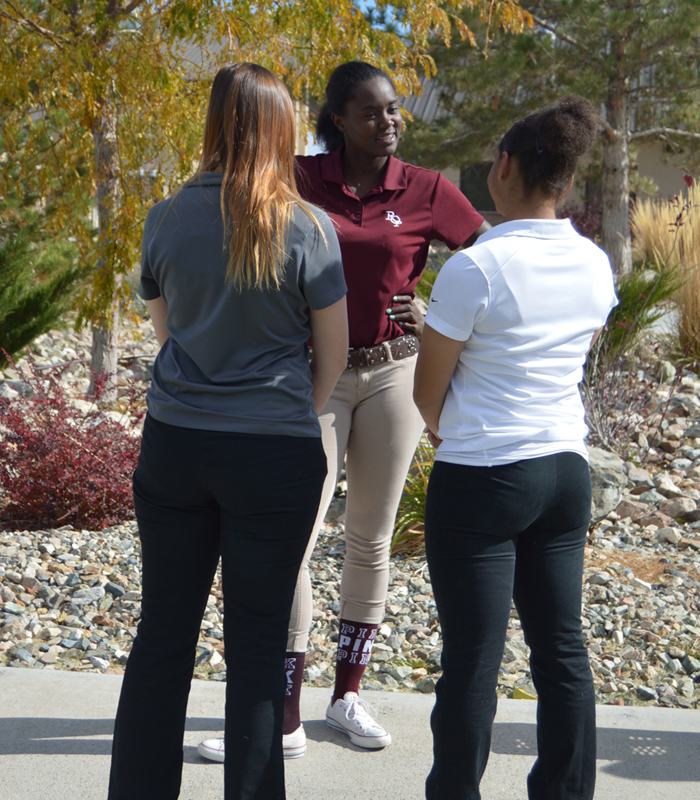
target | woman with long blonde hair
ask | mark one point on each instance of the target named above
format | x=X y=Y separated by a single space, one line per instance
x=239 y=273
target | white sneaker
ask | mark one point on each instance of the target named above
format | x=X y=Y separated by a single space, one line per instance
x=294 y=743
x=355 y=717
x=293 y=746
x=213 y=749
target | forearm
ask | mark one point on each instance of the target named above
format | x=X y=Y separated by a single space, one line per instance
x=430 y=409
x=159 y=313
x=329 y=341
x=437 y=360
x=323 y=380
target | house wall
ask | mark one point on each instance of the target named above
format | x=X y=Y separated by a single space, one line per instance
x=664 y=168
x=652 y=162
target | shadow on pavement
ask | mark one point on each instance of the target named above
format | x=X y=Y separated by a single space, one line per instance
x=52 y=736
x=637 y=755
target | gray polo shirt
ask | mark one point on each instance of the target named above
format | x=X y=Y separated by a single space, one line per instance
x=235 y=361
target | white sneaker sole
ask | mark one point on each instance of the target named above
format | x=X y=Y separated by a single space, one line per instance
x=218 y=755
x=368 y=742
x=212 y=755
x=294 y=752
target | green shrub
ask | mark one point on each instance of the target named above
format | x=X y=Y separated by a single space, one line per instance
x=425 y=284
x=642 y=295
x=37 y=279
x=617 y=394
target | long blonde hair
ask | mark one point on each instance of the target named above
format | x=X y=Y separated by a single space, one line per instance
x=250 y=135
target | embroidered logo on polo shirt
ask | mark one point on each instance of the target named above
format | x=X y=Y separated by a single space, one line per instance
x=395 y=219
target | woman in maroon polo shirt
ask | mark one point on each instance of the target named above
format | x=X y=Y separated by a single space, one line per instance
x=386 y=213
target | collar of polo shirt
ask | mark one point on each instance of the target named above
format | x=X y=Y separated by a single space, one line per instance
x=331 y=169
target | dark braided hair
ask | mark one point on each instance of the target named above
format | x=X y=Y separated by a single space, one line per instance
x=548 y=145
x=341 y=88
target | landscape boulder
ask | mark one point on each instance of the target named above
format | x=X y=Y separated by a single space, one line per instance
x=608 y=480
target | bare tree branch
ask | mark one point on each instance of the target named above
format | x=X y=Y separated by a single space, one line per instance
x=665 y=94
x=116 y=12
x=553 y=29
x=609 y=132
x=25 y=22
x=664 y=132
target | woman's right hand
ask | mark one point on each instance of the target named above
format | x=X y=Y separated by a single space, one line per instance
x=432 y=438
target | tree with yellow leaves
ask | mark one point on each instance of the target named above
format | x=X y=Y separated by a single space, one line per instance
x=104 y=99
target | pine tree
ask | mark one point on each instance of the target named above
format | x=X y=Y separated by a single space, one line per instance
x=38 y=279
x=636 y=60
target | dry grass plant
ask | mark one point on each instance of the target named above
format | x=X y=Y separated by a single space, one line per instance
x=668 y=232
x=410 y=518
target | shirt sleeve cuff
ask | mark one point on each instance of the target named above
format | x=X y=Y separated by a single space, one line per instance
x=328 y=298
x=444 y=328
x=148 y=289
x=477 y=222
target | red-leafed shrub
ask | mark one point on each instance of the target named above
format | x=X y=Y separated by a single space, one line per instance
x=587 y=220
x=61 y=465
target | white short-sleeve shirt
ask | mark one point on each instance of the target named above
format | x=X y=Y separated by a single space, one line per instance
x=526 y=300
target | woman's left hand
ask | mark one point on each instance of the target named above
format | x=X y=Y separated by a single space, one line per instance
x=407 y=315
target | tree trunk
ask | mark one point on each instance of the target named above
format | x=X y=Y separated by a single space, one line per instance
x=104 y=353
x=105 y=331
x=616 y=238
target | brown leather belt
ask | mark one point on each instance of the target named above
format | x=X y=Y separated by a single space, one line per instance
x=395 y=350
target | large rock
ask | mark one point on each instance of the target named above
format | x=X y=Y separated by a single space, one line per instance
x=608 y=479
x=7 y=391
x=655 y=518
x=666 y=486
x=631 y=509
x=678 y=507
x=639 y=476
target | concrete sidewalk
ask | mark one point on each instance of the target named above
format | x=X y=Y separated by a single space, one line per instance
x=55 y=739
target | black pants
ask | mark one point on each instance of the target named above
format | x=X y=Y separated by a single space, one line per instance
x=495 y=533
x=251 y=500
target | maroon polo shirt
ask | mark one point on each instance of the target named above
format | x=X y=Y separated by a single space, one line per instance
x=384 y=236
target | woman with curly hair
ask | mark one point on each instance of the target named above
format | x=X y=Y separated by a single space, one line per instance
x=508 y=328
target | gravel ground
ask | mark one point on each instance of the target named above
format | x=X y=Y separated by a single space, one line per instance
x=70 y=599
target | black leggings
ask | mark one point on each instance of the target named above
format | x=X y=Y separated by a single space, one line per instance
x=495 y=533
x=251 y=500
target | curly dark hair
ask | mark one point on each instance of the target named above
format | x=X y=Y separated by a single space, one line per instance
x=548 y=145
x=341 y=88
